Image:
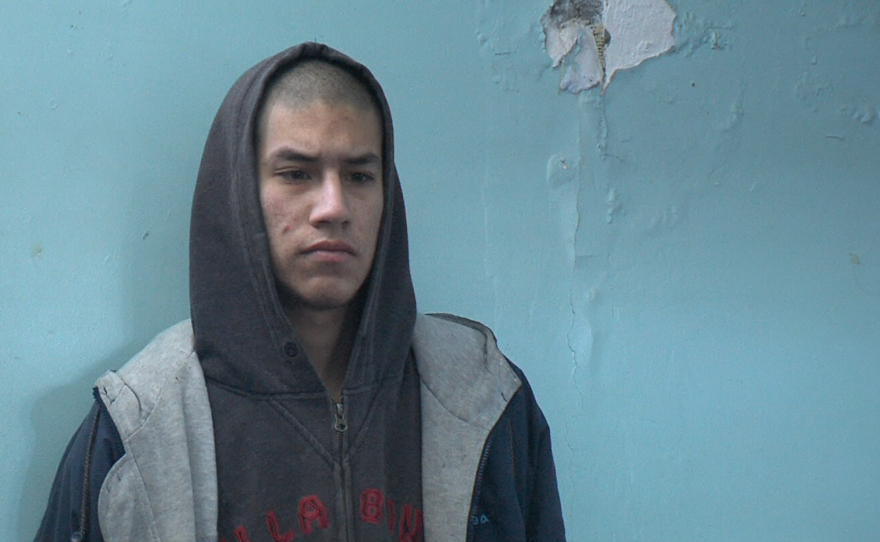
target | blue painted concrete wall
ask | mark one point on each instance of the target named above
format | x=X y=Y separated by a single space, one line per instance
x=687 y=266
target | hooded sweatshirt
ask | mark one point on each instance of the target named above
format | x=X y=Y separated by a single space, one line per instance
x=291 y=461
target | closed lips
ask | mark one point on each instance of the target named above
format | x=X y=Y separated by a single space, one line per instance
x=330 y=246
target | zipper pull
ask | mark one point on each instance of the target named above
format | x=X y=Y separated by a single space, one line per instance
x=341 y=424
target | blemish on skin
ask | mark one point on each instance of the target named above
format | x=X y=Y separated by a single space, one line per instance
x=854 y=259
x=145 y=235
x=37 y=251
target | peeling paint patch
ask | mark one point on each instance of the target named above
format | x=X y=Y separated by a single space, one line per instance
x=592 y=39
x=641 y=29
x=855 y=13
x=865 y=114
x=561 y=171
x=734 y=119
x=571 y=28
x=696 y=32
x=562 y=176
x=813 y=90
x=613 y=205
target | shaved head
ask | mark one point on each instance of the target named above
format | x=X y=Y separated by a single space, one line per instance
x=313 y=81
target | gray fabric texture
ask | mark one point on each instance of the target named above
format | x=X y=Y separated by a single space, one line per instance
x=165 y=486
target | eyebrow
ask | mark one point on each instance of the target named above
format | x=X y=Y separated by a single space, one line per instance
x=292 y=155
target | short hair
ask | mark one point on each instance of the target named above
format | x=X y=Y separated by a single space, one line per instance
x=310 y=81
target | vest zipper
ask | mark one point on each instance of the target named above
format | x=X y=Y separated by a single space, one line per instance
x=83 y=532
x=341 y=426
x=478 y=482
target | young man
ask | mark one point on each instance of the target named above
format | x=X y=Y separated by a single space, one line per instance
x=306 y=399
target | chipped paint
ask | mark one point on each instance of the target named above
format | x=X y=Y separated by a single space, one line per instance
x=563 y=178
x=695 y=32
x=813 y=90
x=591 y=40
x=865 y=114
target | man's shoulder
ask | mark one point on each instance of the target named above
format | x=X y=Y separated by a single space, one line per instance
x=169 y=359
x=460 y=364
x=445 y=337
x=163 y=355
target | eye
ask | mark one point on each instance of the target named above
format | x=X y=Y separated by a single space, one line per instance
x=360 y=177
x=293 y=175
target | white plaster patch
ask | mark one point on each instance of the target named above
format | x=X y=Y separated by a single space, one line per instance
x=593 y=39
x=640 y=29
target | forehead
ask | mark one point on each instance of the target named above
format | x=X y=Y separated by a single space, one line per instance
x=321 y=128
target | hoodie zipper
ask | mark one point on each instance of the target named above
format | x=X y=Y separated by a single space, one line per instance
x=341 y=425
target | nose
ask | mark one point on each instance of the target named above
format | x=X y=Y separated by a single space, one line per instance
x=330 y=203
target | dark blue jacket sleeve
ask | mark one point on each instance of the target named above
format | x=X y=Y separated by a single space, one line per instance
x=516 y=498
x=73 y=501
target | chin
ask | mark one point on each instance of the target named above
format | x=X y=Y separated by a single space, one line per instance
x=327 y=299
x=324 y=295
x=326 y=303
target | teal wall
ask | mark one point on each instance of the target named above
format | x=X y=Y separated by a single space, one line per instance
x=687 y=265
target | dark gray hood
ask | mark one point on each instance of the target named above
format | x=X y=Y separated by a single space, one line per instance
x=243 y=338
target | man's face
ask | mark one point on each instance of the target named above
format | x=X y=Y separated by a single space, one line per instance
x=322 y=196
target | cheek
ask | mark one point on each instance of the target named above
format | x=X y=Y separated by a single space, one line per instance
x=374 y=218
x=275 y=213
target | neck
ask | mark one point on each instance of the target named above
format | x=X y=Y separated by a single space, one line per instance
x=328 y=337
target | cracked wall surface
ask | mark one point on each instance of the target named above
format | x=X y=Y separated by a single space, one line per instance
x=715 y=309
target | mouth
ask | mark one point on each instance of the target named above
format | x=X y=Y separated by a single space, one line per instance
x=331 y=251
